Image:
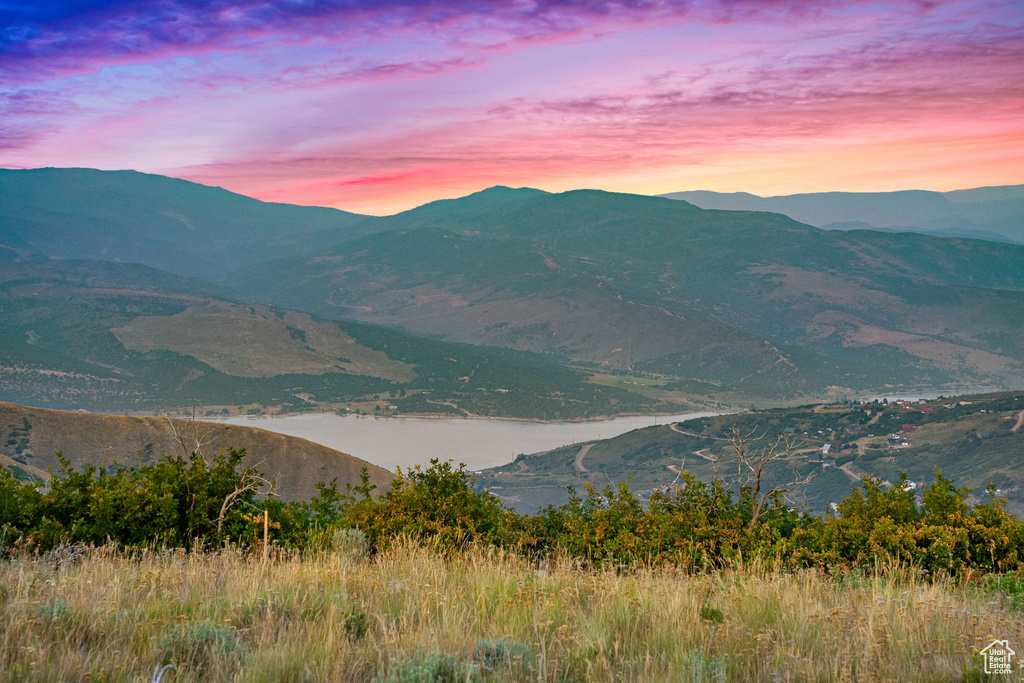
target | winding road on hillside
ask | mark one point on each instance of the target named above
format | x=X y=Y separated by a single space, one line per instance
x=673 y=426
x=1020 y=422
x=578 y=463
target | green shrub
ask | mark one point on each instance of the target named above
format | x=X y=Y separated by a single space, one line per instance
x=54 y=610
x=436 y=505
x=702 y=668
x=712 y=614
x=1010 y=587
x=435 y=667
x=203 y=646
x=349 y=542
x=356 y=624
x=505 y=654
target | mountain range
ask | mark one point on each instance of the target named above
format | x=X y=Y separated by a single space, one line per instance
x=992 y=213
x=134 y=291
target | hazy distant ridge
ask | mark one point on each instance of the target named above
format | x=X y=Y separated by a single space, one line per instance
x=995 y=213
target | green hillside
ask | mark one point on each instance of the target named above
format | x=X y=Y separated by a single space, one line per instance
x=975 y=440
x=118 y=337
x=31 y=437
x=166 y=223
x=657 y=301
x=729 y=303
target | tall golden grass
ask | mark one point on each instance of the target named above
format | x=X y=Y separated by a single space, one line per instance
x=108 y=615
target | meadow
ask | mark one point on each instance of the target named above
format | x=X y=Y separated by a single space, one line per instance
x=111 y=574
x=411 y=614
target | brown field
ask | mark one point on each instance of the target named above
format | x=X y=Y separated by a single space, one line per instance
x=254 y=342
x=339 y=616
x=296 y=464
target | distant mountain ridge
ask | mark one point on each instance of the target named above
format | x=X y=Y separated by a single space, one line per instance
x=162 y=222
x=994 y=213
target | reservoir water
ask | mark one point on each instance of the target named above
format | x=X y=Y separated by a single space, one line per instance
x=479 y=443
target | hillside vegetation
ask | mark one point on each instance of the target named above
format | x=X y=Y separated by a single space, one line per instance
x=727 y=304
x=976 y=439
x=409 y=615
x=715 y=306
x=123 y=337
x=165 y=223
x=431 y=580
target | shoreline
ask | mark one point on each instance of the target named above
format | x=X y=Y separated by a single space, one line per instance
x=436 y=416
x=736 y=405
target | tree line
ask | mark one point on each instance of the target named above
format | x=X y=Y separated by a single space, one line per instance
x=199 y=502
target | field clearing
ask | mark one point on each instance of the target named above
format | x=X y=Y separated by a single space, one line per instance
x=255 y=342
x=339 y=616
x=645 y=386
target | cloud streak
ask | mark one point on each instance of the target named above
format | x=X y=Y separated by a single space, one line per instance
x=39 y=40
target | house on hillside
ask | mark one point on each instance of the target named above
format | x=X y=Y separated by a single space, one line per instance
x=897 y=441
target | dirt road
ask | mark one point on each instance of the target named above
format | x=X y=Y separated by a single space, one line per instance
x=677 y=430
x=578 y=463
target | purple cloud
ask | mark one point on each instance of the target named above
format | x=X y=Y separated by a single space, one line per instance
x=41 y=40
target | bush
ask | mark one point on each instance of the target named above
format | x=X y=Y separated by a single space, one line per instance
x=203 y=647
x=356 y=624
x=702 y=668
x=712 y=614
x=349 y=542
x=436 y=505
x=434 y=667
x=505 y=654
x=199 y=502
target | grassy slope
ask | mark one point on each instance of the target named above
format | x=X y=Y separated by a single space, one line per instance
x=115 y=618
x=945 y=437
x=122 y=337
x=296 y=464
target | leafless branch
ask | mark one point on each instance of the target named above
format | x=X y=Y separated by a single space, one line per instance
x=190 y=437
x=251 y=481
x=754 y=454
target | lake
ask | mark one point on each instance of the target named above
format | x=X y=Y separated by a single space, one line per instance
x=479 y=443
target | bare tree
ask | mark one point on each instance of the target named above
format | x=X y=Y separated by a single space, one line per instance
x=754 y=454
x=192 y=436
x=251 y=481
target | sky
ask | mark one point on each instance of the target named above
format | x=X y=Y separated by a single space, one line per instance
x=377 y=107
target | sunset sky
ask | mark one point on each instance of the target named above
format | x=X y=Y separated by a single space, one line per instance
x=379 y=106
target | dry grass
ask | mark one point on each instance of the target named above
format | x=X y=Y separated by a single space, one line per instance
x=225 y=616
x=254 y=342
x=298 y=465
